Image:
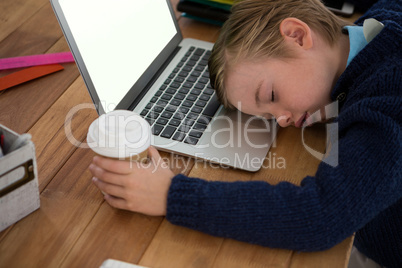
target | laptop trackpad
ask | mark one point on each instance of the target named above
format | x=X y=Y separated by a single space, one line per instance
x=239 y=140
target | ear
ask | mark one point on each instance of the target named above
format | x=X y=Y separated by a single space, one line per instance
x=297 y=32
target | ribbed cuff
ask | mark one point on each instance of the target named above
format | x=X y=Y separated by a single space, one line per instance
x=182 y=203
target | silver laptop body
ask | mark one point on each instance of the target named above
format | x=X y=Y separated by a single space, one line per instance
x=126 y=50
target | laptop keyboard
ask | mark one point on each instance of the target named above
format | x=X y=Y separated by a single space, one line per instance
x=184 y=105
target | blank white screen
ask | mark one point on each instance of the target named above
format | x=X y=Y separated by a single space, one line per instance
x=118 y=40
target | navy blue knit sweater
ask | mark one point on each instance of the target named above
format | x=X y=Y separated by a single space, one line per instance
x=362 y=195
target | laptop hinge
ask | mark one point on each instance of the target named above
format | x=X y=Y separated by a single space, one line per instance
x=154 y=78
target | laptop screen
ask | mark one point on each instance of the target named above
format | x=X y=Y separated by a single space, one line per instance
x=118 y=41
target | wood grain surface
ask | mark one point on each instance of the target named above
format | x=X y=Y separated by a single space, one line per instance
x=74 y=227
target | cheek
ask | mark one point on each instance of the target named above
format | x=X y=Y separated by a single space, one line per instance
x=301 y=96
x=316 y=89
x=295 y=94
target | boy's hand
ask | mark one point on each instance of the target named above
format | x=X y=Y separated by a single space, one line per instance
x=135 y=186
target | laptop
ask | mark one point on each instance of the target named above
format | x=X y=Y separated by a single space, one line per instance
x=132 y=56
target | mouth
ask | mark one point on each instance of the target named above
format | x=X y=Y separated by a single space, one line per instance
x=301 y=120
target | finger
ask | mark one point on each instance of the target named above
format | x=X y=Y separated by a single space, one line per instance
x=108 y=188
x=106 y=176
x=113 y=165
x=153 y=154
x=116 y=202
x=156 y=158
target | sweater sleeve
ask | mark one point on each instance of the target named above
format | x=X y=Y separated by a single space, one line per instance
x=320 y=213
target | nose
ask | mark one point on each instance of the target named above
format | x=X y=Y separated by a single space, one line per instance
x=284 y=119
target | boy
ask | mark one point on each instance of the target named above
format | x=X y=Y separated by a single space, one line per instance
x=289 y=59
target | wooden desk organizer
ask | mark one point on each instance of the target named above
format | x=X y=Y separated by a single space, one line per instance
x=19 y=191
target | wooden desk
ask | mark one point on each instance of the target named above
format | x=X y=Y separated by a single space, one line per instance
x=74 y=227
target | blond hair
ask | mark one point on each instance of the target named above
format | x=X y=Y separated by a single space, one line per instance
x=252 y=32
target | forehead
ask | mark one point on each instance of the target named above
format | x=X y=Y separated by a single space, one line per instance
x=242 y=81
